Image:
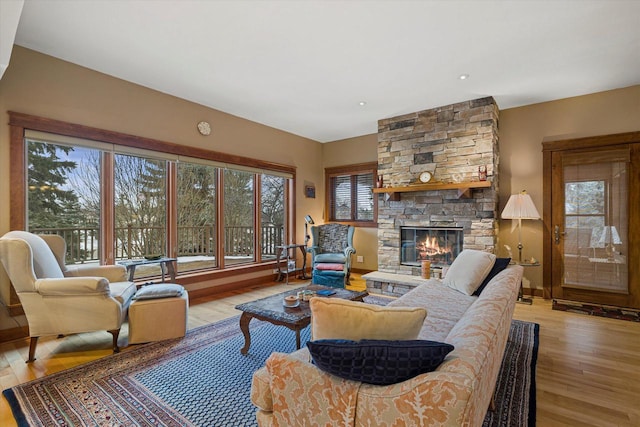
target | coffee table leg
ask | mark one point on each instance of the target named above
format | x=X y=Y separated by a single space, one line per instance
x=297 y=339
x=244 y=327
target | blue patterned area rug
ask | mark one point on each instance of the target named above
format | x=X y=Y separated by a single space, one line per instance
x=203 y=380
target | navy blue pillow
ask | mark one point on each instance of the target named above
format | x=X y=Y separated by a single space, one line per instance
x=378 y=362
x=499 y=265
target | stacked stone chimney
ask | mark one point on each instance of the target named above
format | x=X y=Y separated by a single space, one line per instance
x=451 y=142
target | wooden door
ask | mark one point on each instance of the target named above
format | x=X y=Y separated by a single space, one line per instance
x=592 y=219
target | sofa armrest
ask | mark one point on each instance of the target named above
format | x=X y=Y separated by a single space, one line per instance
x=73 y=286
x=261 y=390
x=446 y=396
x=113 y=273
x=301 y=393
x=261 y=382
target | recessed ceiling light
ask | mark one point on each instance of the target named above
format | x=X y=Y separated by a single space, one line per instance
x=362 y=103
x=463 y=76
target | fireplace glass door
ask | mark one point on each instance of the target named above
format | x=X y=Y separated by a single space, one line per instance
x=437 y=244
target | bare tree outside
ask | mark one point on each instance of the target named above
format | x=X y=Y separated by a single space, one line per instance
x=238 y=215
x=272 y=214
x=140 y=206
x=197 y=195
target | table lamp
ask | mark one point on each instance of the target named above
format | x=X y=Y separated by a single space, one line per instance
x=307 y=220
x=606 y=237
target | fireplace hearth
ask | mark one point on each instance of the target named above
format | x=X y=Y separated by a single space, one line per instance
x=440 y=245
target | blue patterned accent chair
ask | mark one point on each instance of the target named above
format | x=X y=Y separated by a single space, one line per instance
x=331 y=250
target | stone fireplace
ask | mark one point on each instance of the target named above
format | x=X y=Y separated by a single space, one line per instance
x=451 y=142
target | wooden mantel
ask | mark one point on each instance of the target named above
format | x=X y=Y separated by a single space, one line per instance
x=464 y=188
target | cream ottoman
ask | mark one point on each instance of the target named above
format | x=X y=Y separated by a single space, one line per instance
x=157 y=319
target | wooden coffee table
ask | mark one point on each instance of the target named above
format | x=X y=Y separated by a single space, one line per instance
x=272 y=310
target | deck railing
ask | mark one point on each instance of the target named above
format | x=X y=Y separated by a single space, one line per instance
x=137 y=242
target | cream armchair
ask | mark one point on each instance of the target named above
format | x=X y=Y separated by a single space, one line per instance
x=61 y=300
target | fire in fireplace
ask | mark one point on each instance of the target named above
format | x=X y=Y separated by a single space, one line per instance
x=440 y=245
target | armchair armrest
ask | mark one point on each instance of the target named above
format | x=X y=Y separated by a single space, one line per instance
x=73 y=286
x=313 y=250
x=113 y=273
x=349 y=250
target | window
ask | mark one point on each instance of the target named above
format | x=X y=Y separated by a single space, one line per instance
x=197 y=219
x=140 y=207
x=272 y=214
x=350 y=197
x=114 y=201
x=239 y=217
x=64 y=196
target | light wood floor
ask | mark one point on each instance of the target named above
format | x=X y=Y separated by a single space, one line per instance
x=588 y=371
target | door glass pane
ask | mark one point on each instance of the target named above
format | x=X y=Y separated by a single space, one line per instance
x=596 y=227
x=238 y=217
x=140 y=210
x=63 y=188
x=197 y=186
x=272 y=214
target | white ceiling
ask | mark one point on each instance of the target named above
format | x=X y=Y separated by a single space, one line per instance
x=304 y=66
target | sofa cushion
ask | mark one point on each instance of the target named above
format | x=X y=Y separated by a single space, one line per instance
x=335 y=318
x=162 y=290
x=379 y=362
x=498 y=266
x=468 y=270
x=330 y=266
x=330 y=258
x=445 y=307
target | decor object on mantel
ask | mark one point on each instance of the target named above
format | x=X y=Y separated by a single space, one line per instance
x=151 y=381
x=464 y=188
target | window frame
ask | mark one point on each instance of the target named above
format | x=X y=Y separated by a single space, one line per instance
x=20 y=122
x=352 y=171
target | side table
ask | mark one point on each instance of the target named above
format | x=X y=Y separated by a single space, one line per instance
x=166 y=266
x=287 y=253
x=521 y=299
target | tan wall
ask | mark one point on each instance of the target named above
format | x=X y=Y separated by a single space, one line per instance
x=522 y=131
x=41 y=85
x=361 y=149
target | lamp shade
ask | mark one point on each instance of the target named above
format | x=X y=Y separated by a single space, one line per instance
x=520 y=206
x=601 y=236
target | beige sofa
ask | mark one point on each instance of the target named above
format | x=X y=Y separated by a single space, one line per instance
x=291 y=391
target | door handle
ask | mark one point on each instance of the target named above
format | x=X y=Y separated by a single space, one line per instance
x=556 y=234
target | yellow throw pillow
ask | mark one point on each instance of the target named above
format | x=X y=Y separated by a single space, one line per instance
x=335 y=318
